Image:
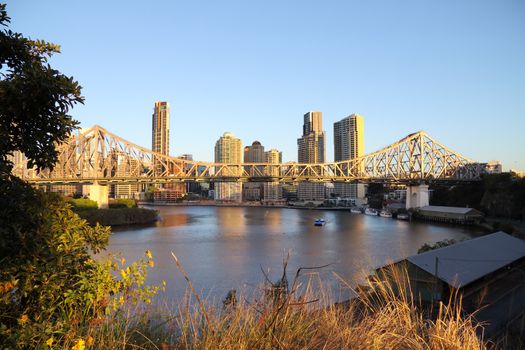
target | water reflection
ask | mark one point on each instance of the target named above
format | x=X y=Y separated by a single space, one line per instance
x=225 y=247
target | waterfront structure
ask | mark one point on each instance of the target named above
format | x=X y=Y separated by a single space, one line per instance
x=252 y=191
x=273 y=191
x=494 y=167
x=311 y=149
x=476 y=269
x=349 y=143
x=127 y=168
x=228 y=149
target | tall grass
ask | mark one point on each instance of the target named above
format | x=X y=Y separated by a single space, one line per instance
x=294 y=315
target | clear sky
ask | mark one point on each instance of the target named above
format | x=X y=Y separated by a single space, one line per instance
x=455 y=69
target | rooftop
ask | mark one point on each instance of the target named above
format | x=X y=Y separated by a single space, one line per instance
x=452 y=210
x=465 y=262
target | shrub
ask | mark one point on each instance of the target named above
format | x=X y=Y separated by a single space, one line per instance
x=82 y=203
x=122 y=203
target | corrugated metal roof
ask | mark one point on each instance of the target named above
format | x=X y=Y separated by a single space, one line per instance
x=454 y=210
x=465 y=262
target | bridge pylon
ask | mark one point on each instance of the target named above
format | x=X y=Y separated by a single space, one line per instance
x=417 y=196
x=100 y=194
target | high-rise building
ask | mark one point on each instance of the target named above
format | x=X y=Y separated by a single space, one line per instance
x=273 y=191
x=349 y=143
x=228 y=149
x=252 y=191
x=160 y=133
x=311 y=149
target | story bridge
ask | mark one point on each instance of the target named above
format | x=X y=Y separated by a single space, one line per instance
x=95 y=156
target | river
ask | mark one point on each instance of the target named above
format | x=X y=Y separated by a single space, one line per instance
x=223 y=248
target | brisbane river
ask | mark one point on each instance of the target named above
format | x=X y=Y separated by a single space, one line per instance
x=224 y=248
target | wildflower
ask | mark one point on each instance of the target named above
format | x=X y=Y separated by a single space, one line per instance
x=80 y=345
x=122 y=261
x=90 y=341
x=121 y=300
x=151 y=263
x=148 y=254
x=23 y=319
x=50 y=341
x=123 y=273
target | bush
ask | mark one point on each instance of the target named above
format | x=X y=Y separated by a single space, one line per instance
x=79 y=204
x=51 y=289
x=119 y=216
x=122 y=203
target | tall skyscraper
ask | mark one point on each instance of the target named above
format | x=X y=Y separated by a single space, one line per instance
x=228 y=149
x=273 y=191
x=160 y=132
x=349 y=143
x=252 y=191
x=311 y=149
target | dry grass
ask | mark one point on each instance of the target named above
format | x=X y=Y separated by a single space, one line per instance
x=277 y=316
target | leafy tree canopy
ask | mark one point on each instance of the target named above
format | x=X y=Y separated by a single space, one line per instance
x=34 y=99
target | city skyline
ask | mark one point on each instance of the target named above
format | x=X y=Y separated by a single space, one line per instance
x=397 y=65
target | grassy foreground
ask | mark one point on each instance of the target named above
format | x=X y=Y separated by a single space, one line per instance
x=277 y=316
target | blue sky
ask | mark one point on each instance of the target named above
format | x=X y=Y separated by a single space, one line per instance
x=455 y=69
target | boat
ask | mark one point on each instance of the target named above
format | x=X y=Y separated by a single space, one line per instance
x=356 y=211
x=371 y=211
x=385 y=214
x=319 y=222
x=402 y=216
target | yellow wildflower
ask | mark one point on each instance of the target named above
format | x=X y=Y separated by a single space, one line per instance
x=24 y=319
x=123 y=273
x=80 y=345
x=148 y=254
x=121 y=300
x=122 y=261
x=50 y=341
x=151 y=263
x=90 y=340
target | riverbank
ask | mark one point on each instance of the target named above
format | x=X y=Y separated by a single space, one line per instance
x=119 y=216
x=237 y=205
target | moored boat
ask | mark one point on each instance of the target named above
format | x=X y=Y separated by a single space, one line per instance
x=371 y=211
x=356 y=211
x=385 y=214
x=402 y=216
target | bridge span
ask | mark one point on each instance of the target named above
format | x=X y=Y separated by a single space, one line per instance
x=98 y=157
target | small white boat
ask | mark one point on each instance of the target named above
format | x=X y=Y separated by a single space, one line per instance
x=371 y=211
x=356 y=211
x=319 y=222
x=402 y=216
x=385 y=214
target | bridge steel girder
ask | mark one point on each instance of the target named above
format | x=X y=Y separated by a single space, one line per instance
x=96 y=155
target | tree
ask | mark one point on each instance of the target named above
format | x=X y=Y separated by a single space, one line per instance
x=34 y=99
x=51 y=288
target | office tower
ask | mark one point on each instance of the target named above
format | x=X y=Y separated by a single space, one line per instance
x=349 y=144
x=127 y=167
x=273 y=191
x=311 y=149
x=228 y=149
x=252 y=191
x=160 y=133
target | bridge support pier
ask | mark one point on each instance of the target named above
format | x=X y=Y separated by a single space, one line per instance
x=417 y=196
x=99 y=194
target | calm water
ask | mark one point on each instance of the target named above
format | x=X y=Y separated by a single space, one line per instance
x=225 y=247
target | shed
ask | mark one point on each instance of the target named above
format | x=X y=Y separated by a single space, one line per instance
x=449 y=214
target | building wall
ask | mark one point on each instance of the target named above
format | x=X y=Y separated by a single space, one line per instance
x=273 y=191
x=311 y=149
x=349 y=143
x=228 y=149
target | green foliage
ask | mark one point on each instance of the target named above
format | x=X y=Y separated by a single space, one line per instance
x=122 y=203
x=34 y=99
x=444 y=243
x=498 y=195
x=119 y=216
x=82 y=204
x=51 y=289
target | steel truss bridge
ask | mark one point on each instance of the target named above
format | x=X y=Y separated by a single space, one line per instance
x=95 y=155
